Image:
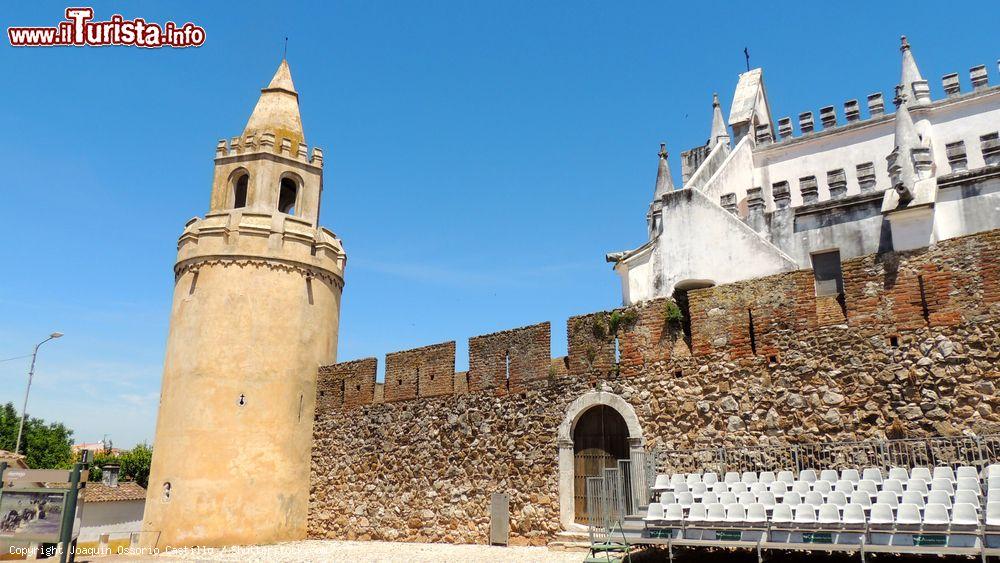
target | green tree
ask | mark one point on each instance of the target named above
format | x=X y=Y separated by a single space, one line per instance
x=134 y=464
x=44 y=445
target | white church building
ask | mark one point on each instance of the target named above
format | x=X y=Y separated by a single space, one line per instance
x=759 y=199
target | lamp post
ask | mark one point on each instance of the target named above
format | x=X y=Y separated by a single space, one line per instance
x=31 y=375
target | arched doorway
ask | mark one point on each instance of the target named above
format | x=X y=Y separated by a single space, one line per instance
x=600 y=439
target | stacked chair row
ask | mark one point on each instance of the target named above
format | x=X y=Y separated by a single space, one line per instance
x=905 y=507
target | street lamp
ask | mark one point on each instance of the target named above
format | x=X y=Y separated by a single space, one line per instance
x=31 y=374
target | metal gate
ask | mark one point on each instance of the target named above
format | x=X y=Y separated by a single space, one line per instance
x=600 y=439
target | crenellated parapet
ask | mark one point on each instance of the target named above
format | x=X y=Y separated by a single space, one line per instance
x=761 y=320
x=244 y=237
x=269 y=144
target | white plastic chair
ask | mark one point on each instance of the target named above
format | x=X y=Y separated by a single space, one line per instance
x=872 y=474
x=778 y=489
x=685 y=499
x=767 y=477
x=678 y=478
x=837 y=498
x=844 y=486
x=898 y=473
x=792 y=498
x=709 y=498
x=861 y=498
x=662 y=483
x=939 y=497
x=756 y=514
x=693 y=479
x=698 y=513
x=991 y=471
x=805 y=514
x=913 y=497
x=894 y=486
x=710 y=478
x=921 y=473
x=967 y=484
x=808 y=475
x=943 y=485
x=667 y=498
x=681 y=488
x=908 y=515
x=851 y=475
x=782 y=514
x=881 y=516
x=673 y=513
x=727 y=498
x=716 y=513
x=698 y=490
x=758 y=488
x=736 y=514
x=813 y=498
x=888 y=498
x=936 y=515
x=746 y=499
x=968 y=497
x=732 y=477
x=748 y=477
x=868 y=487
x=966 y=471
x=854 y=514
x=789 y=477
x=944 y=472
x=964 y=514
x=822 y=487
x=920 y=486
x=801 y=487
x=720 y=487
x=767 y=499
x=738 y=487
x=829 y=475
x=654 y=513
x=829 y=515
x=993 y=514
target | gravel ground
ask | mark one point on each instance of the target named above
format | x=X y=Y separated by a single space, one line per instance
x=327 y=550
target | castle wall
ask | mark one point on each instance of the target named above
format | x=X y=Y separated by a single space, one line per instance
x=508 y=359
x=918 y=347
x=421 y=372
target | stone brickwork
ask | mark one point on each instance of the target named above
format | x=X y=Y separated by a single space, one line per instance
x=591 y=345
x=422 y=372
x=346 y=384
x=505 y=360
x=918 y=351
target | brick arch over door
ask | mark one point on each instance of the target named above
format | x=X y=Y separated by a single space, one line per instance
x=574 y=412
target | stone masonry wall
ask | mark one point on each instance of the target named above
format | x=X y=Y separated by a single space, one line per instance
x=422 y=372
x=507 y=359
x=347 y=383
x=918 y=352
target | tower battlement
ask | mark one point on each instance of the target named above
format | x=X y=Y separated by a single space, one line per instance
x=267 y=143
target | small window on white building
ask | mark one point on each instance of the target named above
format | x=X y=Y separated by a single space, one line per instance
x=826 y=270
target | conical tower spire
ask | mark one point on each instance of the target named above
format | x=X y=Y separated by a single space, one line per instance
x=719 y=131
x=901 y=169
x=913 y=82
x=664 y=181
x=277 y=110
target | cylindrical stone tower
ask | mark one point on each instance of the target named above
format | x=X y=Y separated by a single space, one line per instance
x=256 y=311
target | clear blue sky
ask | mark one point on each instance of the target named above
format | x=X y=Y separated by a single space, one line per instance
x=481 y=158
